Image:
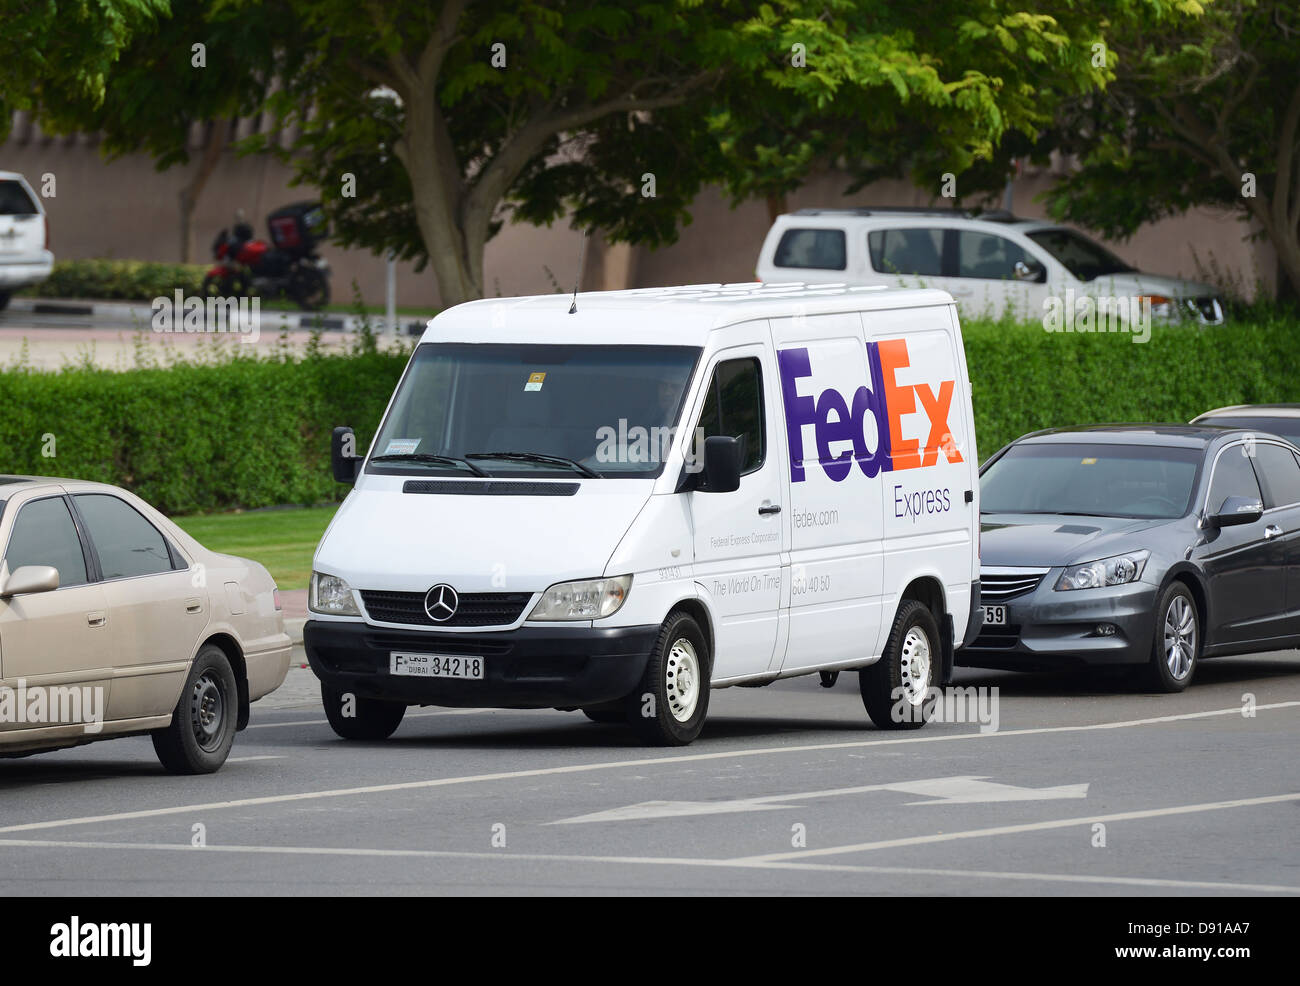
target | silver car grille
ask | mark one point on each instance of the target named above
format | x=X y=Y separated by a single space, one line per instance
x=1000 y=584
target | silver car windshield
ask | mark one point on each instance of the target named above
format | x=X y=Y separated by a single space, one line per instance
x=1138 y=481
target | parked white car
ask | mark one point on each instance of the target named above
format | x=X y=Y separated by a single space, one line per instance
x=114 y=622
x=25 y=256
x=991 y=264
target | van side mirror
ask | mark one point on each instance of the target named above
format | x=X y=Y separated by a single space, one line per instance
x=721 y=464
x=1237 y=510
x=30 y=578
x=343 y=455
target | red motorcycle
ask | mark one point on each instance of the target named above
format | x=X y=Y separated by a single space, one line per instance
x=289 y=265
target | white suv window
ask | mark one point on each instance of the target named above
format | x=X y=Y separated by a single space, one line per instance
x=907 y=251
x=989 y=256
x=817 y=249
x=14 y=200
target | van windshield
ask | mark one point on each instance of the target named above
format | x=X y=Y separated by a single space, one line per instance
x=530 y=409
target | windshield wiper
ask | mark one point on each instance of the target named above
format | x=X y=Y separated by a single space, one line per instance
x=555 y=460
x=442 y=460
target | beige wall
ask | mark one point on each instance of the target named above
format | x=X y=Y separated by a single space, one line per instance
x=126 y=209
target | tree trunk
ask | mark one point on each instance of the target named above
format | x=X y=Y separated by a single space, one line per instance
x=218 y=138
x=424 y=149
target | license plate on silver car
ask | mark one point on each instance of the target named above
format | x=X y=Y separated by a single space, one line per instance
x=995 y=616
x=435 y=665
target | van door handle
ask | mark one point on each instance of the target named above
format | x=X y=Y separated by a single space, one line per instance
x=769 y=508
x=193 y=606
x=1272 y=531
x=96 y=619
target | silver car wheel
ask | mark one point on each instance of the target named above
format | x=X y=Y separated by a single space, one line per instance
x=1180 y=637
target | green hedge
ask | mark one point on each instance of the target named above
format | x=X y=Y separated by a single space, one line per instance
x=246 y=432
x=238 y=433
x=118 y=280
x=1024 y=378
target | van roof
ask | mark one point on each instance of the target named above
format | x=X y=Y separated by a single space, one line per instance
x=682 y=315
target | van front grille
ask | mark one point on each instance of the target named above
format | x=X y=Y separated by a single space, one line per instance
x=475 y=609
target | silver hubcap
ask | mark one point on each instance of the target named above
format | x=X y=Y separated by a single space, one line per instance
x=915 y=665
x=682 y=674
x=207 y=711
x=1180 y=637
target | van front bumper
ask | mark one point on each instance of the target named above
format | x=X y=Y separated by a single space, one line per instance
x=527 y=668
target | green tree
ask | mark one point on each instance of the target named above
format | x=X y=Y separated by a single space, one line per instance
x=192 y=63
x=1201 y=113
x=492 y=111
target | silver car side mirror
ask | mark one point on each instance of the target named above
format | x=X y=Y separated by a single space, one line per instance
x=30 y=578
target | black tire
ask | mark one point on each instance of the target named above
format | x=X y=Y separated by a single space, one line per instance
x=607 y=714
x=4 y=299
x=309 y=287
x=205 y=718
x=894 y=697
x=676 y=681
x=372 y=718
x=1177 y=605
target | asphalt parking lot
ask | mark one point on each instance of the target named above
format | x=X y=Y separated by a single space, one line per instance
x=788 y=790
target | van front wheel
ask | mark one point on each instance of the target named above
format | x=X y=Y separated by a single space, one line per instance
x=898 y=689
x=669 y=707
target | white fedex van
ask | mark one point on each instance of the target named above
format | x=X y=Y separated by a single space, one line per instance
x=618 y=508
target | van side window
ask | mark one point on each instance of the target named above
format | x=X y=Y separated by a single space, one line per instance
x=1280 y=475
x=819 y=249
x=1233 y=476
x=734 y=406
x=907 y=251
x=44 y=534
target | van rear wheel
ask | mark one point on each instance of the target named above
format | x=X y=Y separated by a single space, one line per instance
x=897 y=689
x=669 y=707
x=356 y=718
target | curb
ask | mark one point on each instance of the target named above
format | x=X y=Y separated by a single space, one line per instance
x=140 y=314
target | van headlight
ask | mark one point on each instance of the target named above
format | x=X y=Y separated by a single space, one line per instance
x=1116 y=570
x=590 y=599
x=330 y=594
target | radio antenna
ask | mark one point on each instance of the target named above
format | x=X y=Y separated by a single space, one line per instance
x=582 y=255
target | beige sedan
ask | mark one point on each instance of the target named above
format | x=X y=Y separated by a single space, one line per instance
x=114 y=622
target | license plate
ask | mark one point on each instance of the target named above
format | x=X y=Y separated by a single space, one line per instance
x=995 y=616
x=435 y=665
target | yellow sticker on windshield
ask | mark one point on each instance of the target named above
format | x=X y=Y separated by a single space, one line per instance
x=1088 y=462
x=534 y=381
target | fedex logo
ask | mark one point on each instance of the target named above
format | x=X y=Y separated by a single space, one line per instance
x=836 y=419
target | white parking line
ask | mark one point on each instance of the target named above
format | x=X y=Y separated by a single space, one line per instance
x=1126 y=881
x=272 y=799
x=1057 y=823
x=251 y=759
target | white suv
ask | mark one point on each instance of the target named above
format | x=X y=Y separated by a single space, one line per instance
x=990 y=264
x=25 y=257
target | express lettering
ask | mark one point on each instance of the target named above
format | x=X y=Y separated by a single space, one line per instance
x=836 y=419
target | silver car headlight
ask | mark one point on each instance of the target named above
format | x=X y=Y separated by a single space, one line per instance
x=330 y=594
x=1115 y=570
x=590 y=599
